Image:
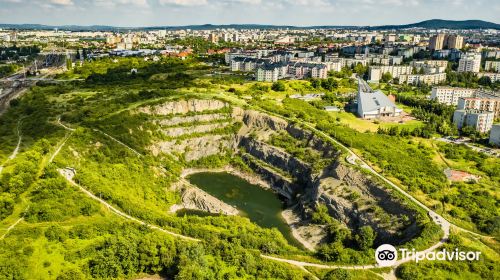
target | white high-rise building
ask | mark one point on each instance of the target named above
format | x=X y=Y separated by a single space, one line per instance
x=470 y=62
x=481 y=121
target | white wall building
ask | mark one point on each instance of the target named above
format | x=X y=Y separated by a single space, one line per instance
x=376 y=72
x=481 y=121
x=492 y=66
x=374 y=104
x=450 y=95
x=470 y=62
x=495 y=135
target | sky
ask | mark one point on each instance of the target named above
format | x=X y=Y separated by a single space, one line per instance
x=141 y=13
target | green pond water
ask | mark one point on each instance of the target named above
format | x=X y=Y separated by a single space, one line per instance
x=261 y=206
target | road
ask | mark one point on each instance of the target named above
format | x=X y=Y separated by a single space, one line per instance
x=487 y=151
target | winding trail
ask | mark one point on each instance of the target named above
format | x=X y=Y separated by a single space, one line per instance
x=63 y=125
x=16 y=150
x=68 y=174
x=10 y=228
x=119 y=142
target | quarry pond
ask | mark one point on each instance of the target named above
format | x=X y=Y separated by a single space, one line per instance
x=260 y=205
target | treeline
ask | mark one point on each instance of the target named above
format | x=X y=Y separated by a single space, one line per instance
x=118 y=250
x=469 y=80
x=6 y=70
x=484 y=268
x=438 y=117
x=15 y=52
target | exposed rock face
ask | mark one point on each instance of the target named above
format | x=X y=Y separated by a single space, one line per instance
x=180 y=131
x=276 y=157
x=257 y=120
x=196 y=199
x=352 y=197
x=356 y=200
x=196 y=148
x=183 y=107
x=192 y=119
x=314 y=141
x=282 y=185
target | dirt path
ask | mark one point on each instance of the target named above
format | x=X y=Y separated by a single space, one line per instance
x=119 y=142
x=10 y=228
x=68 y=174
x=16 y=150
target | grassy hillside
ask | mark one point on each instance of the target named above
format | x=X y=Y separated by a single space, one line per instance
x=64 y=234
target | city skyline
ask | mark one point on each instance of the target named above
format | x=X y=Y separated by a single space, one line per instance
x=141 y=13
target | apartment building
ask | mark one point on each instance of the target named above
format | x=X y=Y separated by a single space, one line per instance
x=493 y=76
x=376 y=72
x=430 y=66
x=492 y=66
x=429 y=79
x=470 y=62
x=245 y=64
x=301 y=70
x=271 y=72
x=495 y=135
x=436 y=42
x=481 y=121
x=446 y=41
x=450 y=95
x=482 y=101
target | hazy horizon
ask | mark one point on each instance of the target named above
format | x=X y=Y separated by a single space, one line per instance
x=144 y=13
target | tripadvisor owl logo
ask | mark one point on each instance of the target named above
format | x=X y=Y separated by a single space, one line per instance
x=386 y=255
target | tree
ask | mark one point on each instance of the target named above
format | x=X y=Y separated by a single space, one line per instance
x=77 y=54
x=321 y=216
x=69 y=64
x=278 y=86
x=360 y=69
x=329 y=84
x=6 y=205
x=386 y=77
x=468 y=131
x=338 y=274
x=365 y=237
x=484 y=81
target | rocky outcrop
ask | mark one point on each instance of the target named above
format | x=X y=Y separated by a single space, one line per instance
x=279 y=183
x=313 y=141
x=258 y=120
x=183 y=107
x=357 y=200
x=180 y=131
x=276 y=157
x=351 y=197
x=196 y=148
x=196 y=199
x=192 y=119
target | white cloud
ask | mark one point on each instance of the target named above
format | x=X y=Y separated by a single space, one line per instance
x=62 y=2
x=184 y=2
x=114 y=3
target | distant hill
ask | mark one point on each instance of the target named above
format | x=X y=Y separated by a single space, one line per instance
x=440 y=23
x=429 y=24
